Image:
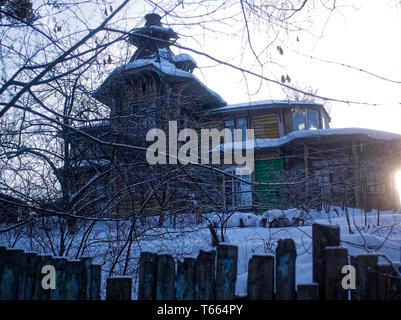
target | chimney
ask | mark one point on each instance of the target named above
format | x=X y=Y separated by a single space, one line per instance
x=153 y=19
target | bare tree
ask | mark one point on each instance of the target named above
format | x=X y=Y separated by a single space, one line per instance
x=61 y=150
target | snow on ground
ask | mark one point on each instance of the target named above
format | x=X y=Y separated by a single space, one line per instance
x=384 y=239
x=189 y=236
x=254 y=239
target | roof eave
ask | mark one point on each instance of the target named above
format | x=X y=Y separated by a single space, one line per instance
x=275 y=105
x=209 y=97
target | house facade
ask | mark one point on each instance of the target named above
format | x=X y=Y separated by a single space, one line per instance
x=299 y=161
x=310 y=163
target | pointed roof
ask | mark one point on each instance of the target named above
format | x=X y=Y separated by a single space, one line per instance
x=154 y=55
x=151 y=38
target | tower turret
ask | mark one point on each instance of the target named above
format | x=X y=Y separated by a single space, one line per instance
x=155 y=66
x=153 y=40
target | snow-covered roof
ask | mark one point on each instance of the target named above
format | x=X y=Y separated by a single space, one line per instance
x=154 y=27
x=303 y=134
x=164 y=53
x=183 y=57
x=306 y=134
x=264 y=104
x=165 y=67
x=154 y=52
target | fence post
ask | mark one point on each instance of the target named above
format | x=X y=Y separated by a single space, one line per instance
x=388 y=281
x=226 y=273
x=322 y=236
x=95 y=281
x=335 y=258
x=86 y=277
x=285 y=269
x=165 y=277
x=366 y=277
x=9 y=280
x=204 y=275
x=147 y=276
x=72 y=279
x=261 y=277
x=40 y=293
x=118 y=288
x=27 y=290
x=383 y=273
x=184 y=284
x=21 y=264
x=59 y=293
x=308 y=291
x=2 y=260
x=21 y=276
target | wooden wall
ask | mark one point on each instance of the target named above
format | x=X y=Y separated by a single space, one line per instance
x=265 y=126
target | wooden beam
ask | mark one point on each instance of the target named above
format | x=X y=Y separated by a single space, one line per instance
x=355 y=158
x=306 y=160
x=306 y=163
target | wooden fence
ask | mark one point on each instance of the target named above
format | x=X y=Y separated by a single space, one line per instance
x=212 y=275
x=21 y=277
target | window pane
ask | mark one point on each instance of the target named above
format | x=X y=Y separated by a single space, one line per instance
x=228 y=123
x=237 y=193
x=313 y=120
x=299 y=121
x=242 y=123
x=246 y=194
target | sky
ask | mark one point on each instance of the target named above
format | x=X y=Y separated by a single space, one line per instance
x=366 y=39
x=360 y=33
x=363 y=35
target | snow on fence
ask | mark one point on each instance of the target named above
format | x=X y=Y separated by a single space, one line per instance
x=212 y=275
x=23 y=277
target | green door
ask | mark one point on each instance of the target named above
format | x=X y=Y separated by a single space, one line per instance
x=268 y=171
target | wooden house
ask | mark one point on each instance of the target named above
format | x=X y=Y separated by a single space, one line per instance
x=305 y=162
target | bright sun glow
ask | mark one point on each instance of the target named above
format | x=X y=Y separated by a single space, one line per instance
x=398 y=182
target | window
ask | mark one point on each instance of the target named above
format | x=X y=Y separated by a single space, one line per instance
x=242 y=123
x=151 y=119
x=325 y=123
x=239 y=123
x=229 y=124
x=237 y=193
x=299 y=121
x=308 y=119
x=313 y=120
x=144 y=115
